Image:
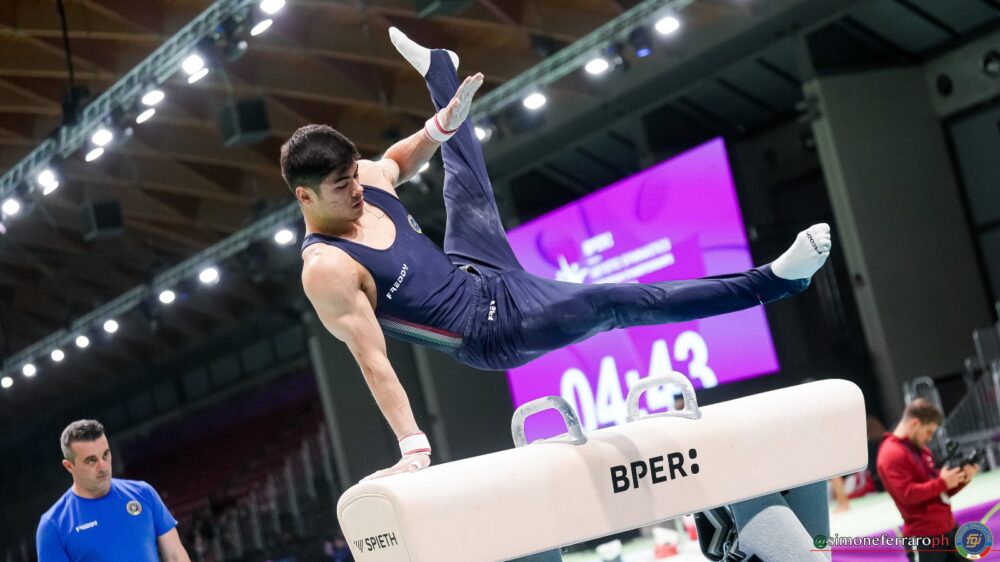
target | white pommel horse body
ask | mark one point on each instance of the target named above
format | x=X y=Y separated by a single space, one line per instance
x=576 y=487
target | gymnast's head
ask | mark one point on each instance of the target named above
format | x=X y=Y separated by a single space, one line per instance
x=319 y=164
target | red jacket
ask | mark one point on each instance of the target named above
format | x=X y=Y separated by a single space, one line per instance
x=910 y=478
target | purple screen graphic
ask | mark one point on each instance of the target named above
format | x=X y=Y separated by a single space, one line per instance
x=679 y=219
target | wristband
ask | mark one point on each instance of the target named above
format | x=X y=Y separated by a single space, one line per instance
x=414 y=443
x=437 y=132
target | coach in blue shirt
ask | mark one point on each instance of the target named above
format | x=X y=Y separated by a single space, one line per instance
x=101 y=518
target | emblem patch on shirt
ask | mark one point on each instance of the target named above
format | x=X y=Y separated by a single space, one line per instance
x=413 y=223
x=133 y=507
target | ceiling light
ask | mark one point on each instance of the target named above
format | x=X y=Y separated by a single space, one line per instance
x=94 y=154
x=47 y=180
x=6 y=382
x=167 y=296
x=82 y=341
x=57 y=355
x=145 y=115
x=271 y=6
x=11 y=207
x=534 y=101
x=597 y=66
x=29 y=370
x=153 y=97
x=209 y=276
x=198 y=75
x=426 y=166
x=102 y=136
x=111 y=326
x=261 y=27
x=193 y=63
x=284 y=236
x=667 y=25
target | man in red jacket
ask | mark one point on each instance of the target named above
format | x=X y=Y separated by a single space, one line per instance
x=922 y=492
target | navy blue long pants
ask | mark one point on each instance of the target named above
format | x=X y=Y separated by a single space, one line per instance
x=535 y=315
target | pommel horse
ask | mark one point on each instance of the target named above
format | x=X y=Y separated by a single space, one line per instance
x=575 y=487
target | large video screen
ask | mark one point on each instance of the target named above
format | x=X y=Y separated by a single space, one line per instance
x=679 y=219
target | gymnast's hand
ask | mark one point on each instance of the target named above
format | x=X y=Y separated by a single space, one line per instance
x=416 y=450
x=454 y=114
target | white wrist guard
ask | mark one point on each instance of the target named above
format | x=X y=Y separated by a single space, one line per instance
x=414 y=443
x=436 y=131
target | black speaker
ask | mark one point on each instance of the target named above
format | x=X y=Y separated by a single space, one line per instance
x=427 y=8
x=101 y=219
x=244 y=122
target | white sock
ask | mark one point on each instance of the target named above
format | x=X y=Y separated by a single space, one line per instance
x=807 y=254
x=419 y=57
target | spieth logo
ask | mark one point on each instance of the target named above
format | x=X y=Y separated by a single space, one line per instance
x=377 y=542
x=654 y=468
x=399 y=281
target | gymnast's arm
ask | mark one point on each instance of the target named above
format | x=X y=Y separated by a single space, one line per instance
x=403 y=160
x=332 y=282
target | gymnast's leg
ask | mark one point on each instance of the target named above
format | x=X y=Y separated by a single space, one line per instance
x=473 y=231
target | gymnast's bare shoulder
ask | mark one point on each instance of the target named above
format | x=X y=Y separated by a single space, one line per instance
x=338 y=287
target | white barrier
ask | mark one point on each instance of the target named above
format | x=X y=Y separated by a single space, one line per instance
x=548 y=494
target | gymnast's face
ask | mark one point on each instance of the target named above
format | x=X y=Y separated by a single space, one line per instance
x=339 y=198
x=91 y=466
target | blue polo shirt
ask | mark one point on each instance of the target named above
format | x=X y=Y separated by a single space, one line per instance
x=122 y=525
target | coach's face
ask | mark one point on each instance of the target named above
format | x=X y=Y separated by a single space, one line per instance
x=91 y=466
x=339 y=198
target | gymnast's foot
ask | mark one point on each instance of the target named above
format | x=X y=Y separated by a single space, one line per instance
x=807 y=254
x=419 y=57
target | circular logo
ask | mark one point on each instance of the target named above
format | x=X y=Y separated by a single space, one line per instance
x=973 y=540
x=133 y=507
x=820 y=541
x=413 y=223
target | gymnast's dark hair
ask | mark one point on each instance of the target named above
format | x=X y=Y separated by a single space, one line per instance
x=80 y=430
x=312 y=153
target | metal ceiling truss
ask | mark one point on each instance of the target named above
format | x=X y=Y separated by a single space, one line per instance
x=165 y=61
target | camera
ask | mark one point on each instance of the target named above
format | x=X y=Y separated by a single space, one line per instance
x=960 y=458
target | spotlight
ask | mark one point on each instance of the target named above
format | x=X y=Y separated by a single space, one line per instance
x=209 y=276
x=991 y=63
x=11 y=207
x=639 y=39
x=145 y=115
x=29 y=370
x=167 y=296
x=57 y=355
x=82 y=341
x=47 y=180
x=198 y=75
x=480 y=132
x=193 y=63
x=6 y=382
x=596 y=66
x=111 y=326
x=284 y=237
x=667 y=25
x=153 y=97
x=485 y=129
x=534 y=101
x=102 y=136
x=424 y=168
x=94 y=154
x=261 y=27
x=271 y=7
